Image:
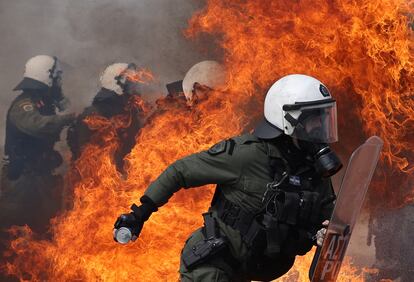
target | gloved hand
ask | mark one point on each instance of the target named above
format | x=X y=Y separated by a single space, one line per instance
x=320 y=235
x=134 y=220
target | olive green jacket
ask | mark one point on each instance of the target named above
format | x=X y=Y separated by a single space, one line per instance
x=29 y=117
x=241 y=169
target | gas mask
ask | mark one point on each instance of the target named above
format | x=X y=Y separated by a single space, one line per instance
x=315 y=127
x=55 y=91
x=326 y=162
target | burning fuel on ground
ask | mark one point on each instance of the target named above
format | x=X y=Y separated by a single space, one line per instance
x=362 y=50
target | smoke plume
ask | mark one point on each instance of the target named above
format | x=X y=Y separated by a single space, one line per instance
x=88 y=35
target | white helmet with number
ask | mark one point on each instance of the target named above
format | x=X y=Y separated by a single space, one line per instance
x=40 y=72
x=206 y=73
x=120 y=78
x=300 y=106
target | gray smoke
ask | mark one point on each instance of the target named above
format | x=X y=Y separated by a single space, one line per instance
x=88 y=35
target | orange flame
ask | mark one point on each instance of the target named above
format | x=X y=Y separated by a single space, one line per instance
x=142 y=76
x=361 y=50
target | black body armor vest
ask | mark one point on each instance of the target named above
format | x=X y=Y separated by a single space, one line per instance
x=291 y=210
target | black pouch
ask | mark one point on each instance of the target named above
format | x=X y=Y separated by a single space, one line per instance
x=207 y=248
x=310 y=209
x=298 y=242
x=291 y=208
x=202 y=251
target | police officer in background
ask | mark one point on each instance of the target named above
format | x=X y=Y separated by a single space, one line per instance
x=273 y=195
x=184 y=94
x=201 y=78
x=119 y=85
x=30 y=191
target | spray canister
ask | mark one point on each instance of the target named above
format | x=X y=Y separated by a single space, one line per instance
x=123 y=235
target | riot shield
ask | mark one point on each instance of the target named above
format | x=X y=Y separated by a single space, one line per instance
x=361 y=166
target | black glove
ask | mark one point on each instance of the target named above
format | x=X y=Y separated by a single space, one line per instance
x=134 y=220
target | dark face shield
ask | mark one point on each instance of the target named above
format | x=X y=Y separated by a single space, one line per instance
x=314 y=128
x=56 y=93
x=130 y=80
x=56 y=73
x=317 y=124
x=200 y=92
x=132 y=88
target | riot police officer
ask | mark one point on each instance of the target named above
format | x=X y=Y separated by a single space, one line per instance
x=184 y=94
x=119 y=86
x=201 y=78
x=273 y=189
x=30 y=191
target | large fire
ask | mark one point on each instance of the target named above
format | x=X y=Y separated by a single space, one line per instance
x=362 y=50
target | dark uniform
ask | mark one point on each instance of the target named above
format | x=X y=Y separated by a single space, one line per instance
x=30 y=191
x=244 y=238
x=107 y=104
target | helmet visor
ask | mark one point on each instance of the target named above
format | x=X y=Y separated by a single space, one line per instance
x=317 y=124
x=56 y=73
x=130 y=81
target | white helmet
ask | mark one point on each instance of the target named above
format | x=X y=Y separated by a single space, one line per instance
x=109 y=77
x=40 y=72
x=300 y=106
x=120 y=78
x=206 y=73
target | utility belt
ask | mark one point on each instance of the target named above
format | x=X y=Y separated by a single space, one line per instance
x=236 y=217
x=288 y=219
